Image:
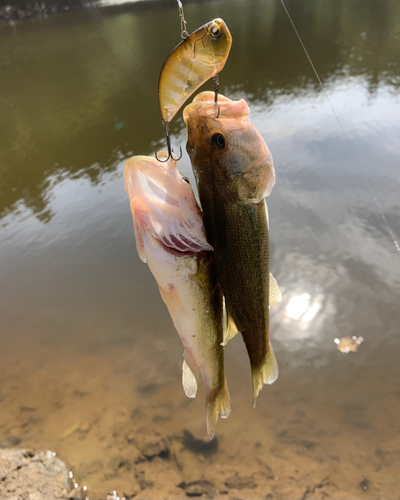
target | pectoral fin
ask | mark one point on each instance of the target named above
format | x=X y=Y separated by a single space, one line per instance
x=266 y=212
x=189 y=381
x=275 y=295
x=139 y=240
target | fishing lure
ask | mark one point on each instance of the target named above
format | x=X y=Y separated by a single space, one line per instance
x=199 y=57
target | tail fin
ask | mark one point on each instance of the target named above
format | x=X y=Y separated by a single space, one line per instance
x=267 y=374
x=217 y=405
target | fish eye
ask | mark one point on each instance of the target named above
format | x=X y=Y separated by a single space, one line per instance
x=185 y=179
x=214 y=30
x=218 y=141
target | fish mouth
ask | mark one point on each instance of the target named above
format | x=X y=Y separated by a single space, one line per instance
x=203 y=106
x=163 y=203
x=206 y=120
x=164 y=219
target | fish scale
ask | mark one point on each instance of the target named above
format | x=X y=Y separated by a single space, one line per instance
x=249 y=252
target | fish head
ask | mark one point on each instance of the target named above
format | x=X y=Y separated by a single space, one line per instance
x=226 y=150
x=162 y=201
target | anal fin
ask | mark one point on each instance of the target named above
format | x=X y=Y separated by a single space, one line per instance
x=230 y=329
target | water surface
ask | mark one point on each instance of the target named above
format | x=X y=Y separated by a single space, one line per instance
x=89 y=359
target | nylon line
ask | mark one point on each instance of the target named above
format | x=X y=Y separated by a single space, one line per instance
x=391 y=233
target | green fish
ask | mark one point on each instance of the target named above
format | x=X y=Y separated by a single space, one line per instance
x=234 y=173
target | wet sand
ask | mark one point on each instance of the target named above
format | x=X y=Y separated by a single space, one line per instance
x=147 y=440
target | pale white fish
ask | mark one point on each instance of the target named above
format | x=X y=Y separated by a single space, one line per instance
x=170 y=237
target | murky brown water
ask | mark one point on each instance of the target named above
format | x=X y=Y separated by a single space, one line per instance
x=90 y=364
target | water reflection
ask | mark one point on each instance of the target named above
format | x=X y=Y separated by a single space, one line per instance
x=102 y=67
x=301 y=308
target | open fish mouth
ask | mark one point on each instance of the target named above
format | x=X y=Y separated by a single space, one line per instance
x=204 y=106
x=163 y=202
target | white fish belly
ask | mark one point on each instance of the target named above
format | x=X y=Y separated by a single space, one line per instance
x=189 y=306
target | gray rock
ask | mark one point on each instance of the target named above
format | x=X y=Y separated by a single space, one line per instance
x=33 y=475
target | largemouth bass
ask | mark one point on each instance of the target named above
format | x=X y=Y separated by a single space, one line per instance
x=196 y=59
x=170 y=237
x=234 y=173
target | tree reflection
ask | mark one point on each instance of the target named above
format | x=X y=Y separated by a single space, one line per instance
x=79 y=91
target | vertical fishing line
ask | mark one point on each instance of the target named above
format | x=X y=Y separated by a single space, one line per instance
x=114 y=39
x=392 y=235
x=184 y=33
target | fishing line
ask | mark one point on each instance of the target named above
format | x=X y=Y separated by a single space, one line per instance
x=113 y=39
x=391 y=233
x=184 y=32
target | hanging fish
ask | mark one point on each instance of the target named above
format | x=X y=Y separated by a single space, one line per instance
x=199 y=57
x=170 y=237
x=234 y=172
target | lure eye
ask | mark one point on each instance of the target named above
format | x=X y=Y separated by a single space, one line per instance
x=218 y=141
x=214 y=30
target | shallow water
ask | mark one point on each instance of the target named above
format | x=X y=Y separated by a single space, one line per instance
x=90 y=364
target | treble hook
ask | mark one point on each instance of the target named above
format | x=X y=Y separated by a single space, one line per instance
x=170 y=150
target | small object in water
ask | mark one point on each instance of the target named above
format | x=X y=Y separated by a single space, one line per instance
x=114 y=496
x=349 y=344
x=196 y=59
x=234 y=172
x=170 y=237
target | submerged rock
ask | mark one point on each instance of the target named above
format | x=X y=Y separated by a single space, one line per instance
x=198 y=488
